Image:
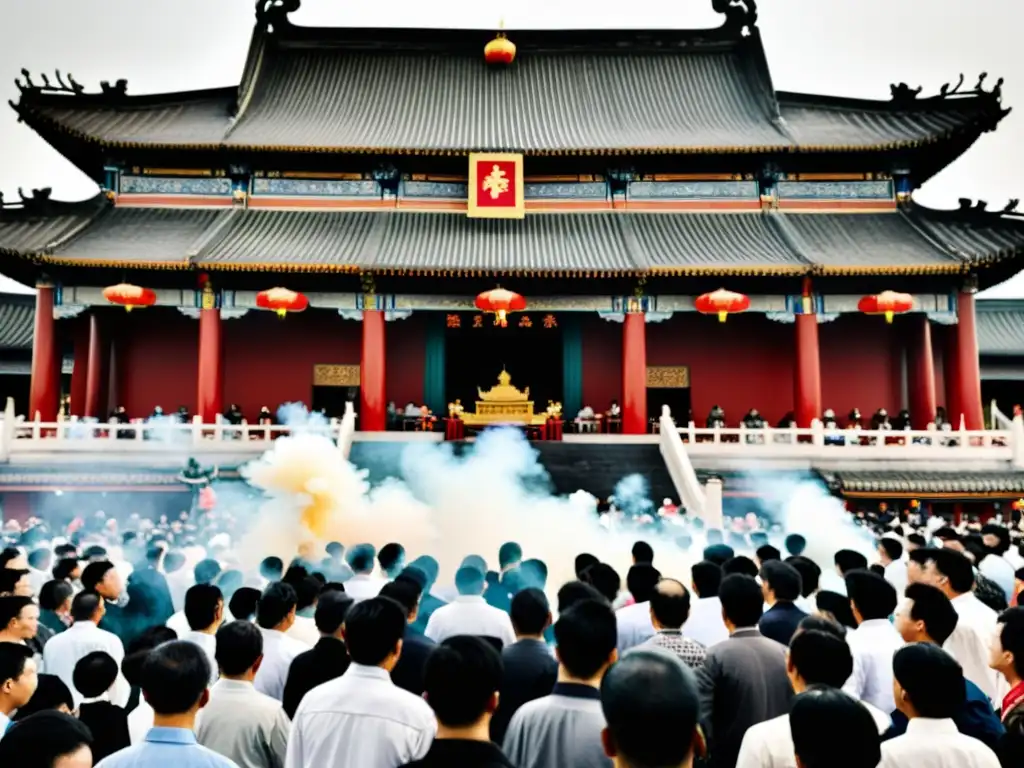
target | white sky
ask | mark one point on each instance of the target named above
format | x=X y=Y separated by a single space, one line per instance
x=841 y=47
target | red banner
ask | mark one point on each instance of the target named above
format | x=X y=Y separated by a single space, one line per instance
x=496 y=186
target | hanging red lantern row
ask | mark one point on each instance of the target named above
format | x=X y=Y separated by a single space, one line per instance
x=722 y=303
x=888 y=303
x=129 y=296
x=500 y=302
x=282 y=301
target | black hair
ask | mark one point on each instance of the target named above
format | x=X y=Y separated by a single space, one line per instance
x=307 y=591
x=8 y=554
x=643 y=553
x=390 y=556
x=470 y=581
x=335 y=549
x=893 y=547
x=1011 y=636
x=54 y=594
x=955 y=567
x=39 y=558
x=922 y=555
x=414 y=573
x=871 y=595
x=718 y=553
x=41 y=739
x=206 y=571
x=174 y=676
x=583 y=561
x=849 y=560
x=991 y=529
x=641 y=580
x=833 y=730
x=782 y=579
x=361 y=557
x=372 y=630
x=604 y=579
x=9 y=578
x=837 y=605
x=707 y=578
x=331 y=611
x=573 y=592
x=930 y=606
x=242 y=604
x=12 y=661
x=530 y=611
x=586 y=636
x=509 y=553
x=931 y=679
x=460 y=679
x=742 y=601
x=239 y=645
x=230 y=581
x=174 y=560
x=816 y=623
x=51 y=692
x=821 y=658
x=533 y=573
x=63 y=568
x=276 y=602
x=670 y=603
x=740 y=564
x=84 y=606
x=810 y=574
x=11 y=607
x=645 y=697
x=917 y=540
x=428 y=566
x=795 y=544
x=272 y=568
x=767 y=553
x=63 y=550
x=94 y=552
x=201 y=603
x=405 y=592
x=94 y=674
x=94 y=573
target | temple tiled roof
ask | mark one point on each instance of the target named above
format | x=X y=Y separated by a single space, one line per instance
x=1000 y=327
x=17 y=318
x=43 y=223
x=902 y=484
x=568 y=92
x=904 y=242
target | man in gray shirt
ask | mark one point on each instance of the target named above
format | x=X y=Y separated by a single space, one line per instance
x=563 y=730
x=239 y=722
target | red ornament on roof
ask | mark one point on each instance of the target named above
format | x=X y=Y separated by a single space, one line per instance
x=722 y=303
x=500 y=51
x=888 y=303
x=281 y=300
x=500 y=302
x=129 y=296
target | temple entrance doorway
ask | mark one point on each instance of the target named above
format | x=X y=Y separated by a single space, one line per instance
x=333 y=386
x=669 y=385
x=476 y=351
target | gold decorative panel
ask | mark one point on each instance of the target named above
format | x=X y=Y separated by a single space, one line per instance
x=668 y=376
x=335 y=375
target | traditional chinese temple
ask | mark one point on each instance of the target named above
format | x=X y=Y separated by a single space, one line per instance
x=634 y=187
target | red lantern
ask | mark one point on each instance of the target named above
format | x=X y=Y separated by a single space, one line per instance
x=129 y=296
x=207 y=498
x=888 y=303
x=722 y=303
x=282 y=301
x=500 y=302
x=500 y=51
x=1018 y=505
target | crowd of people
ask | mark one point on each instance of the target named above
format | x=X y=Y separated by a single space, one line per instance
x=144 y=648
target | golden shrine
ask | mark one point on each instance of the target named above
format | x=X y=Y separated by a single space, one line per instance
x=502 y=404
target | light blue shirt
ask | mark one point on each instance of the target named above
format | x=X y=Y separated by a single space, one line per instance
x=167 y=747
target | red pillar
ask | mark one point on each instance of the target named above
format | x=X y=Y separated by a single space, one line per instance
x=80 y=335
x=209 y=400
x=921 y=370
x=634 y=374
x=372 y=406
x=963 y=370
x=94 y=376
x=44 y=392
x=807 y=377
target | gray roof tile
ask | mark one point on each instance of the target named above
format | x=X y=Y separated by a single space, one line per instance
x=17 y=320
x=41 y=226
x=909 y=483
x=1000 y=333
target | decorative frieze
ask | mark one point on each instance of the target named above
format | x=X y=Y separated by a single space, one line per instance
x=876 y=190
x=175 y=185
x=668 y=377
x=315 y=187
x=588 y=190
x=444 y=190
x=692 y=190
x=327 y=375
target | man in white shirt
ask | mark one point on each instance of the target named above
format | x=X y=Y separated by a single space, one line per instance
x=363 y=585
x=634 y=621
x=705 y=624
x=275 y=615
x=997 y=565
x=240 y=723
x=818 y=656
x=470 y=614
x=204 y=609
x=890 y=554
x=362 y=719
x=929 y=689
x=84 y=636
x=971 y=641
x=307 y=591
x=873 y=600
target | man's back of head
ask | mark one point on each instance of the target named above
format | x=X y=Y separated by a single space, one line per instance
x=833 y=730
x=239 y=648
x=461 y=681
x=820 y=658
x=203 y=604
x=847 y=560
x=94 y=674
x=782 y=580
x=331 y=611
x=585 y=638
x=670 y=604
x=871 y=595
x=277 y=604
x=509 y=554
x=742 y=601
x=707 y=578
x=47 y=739
x=929 y=682
x=391 y=558
x=373 y=632
x=530 y=612
x=86 y=606
x=206 y=571
x=174 y=678
x=643 y=553
x=651 y=708
x=361 y=558
x=470 y=581
x=641 y=580
x=405 y=592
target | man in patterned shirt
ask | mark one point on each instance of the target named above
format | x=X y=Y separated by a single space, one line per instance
x=670 y=608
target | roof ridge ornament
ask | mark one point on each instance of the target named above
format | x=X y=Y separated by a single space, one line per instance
x=740 y=15
x=978 y=211
x=903 y=95
x=70 y=86
x=273 y=14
